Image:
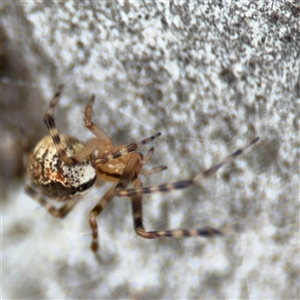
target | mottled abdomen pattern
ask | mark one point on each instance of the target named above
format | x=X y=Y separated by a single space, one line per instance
x=53 y=177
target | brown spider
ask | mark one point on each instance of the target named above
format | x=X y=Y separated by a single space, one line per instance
x=62 y=168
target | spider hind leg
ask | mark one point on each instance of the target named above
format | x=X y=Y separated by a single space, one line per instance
x=55 y=212
x=178 y=233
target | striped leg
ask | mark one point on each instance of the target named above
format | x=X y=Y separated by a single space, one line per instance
x=127 y=193
x=124 y=150
x=94 y=214
x=179 y=233
x=58 y=213
x=50 y=123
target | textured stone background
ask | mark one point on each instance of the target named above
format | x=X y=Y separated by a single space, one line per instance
x=210 y=76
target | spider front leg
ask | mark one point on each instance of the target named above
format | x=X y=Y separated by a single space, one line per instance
x=178 y=233
x=138 y=190
x=130 y=174
x=124 y=150
x=127 y=193
x=50 y=123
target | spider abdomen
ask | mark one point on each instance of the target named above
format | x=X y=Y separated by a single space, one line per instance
x=53 y=177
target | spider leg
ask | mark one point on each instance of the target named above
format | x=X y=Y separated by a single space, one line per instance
x=127 y=193
x=94 y=214
x=149 y=155
x=100 y=142
x=103 y=140
x=179 y=233
x=58 y=213
x=132 y=168
x=50 y=123
x=153 y=170
x=90 y=124
x=124 y=150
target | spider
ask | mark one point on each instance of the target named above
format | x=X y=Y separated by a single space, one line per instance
x=62 y=168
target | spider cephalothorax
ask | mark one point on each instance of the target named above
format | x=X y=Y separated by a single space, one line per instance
x=64 y=169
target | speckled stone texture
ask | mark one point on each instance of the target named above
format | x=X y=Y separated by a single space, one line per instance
x=210 y=76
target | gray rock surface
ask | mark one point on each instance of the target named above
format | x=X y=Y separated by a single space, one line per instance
x=210 y=77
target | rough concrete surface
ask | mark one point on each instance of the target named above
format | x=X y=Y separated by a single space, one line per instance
x=210 y=76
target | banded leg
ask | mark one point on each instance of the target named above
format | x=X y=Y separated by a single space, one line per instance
x=179 y=233
x=94 y=214
x=127 y=193
x=50 y=123
x=124 y=150
x=56 y=212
